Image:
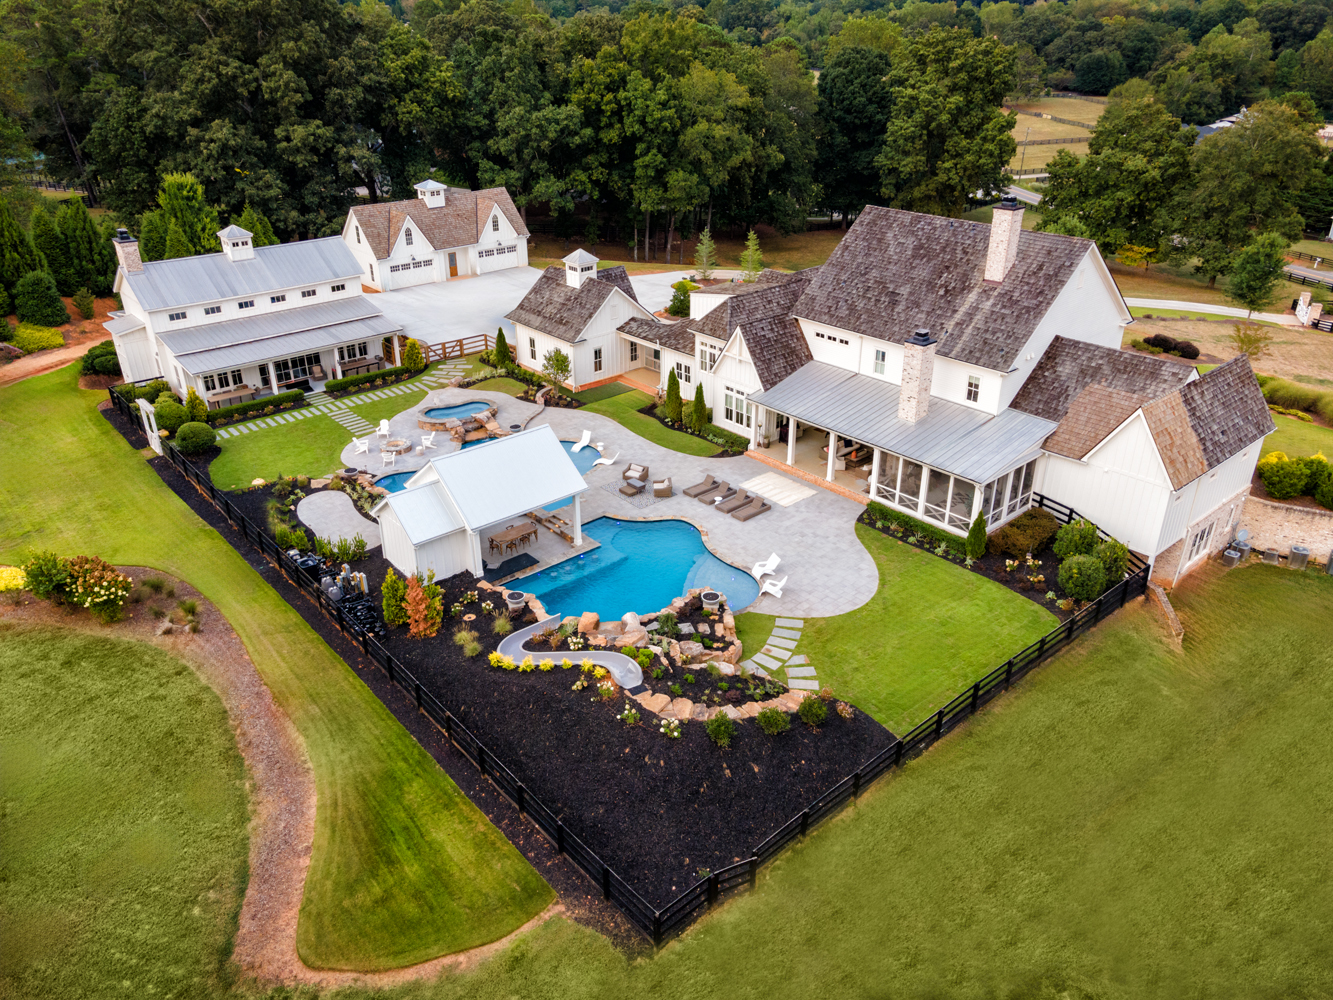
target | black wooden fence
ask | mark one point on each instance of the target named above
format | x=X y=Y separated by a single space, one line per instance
x=1053 y=142
x=679 y=913
x=1302 y=255
x=1303 y=279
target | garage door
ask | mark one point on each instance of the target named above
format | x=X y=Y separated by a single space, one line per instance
x=496 y=258
x=412 y=272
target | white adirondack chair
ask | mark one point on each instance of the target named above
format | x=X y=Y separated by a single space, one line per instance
x=384 y=428
x=362 y=446
x=774 y=587
x=388 y=458
x=762 y=569
x=428 y=440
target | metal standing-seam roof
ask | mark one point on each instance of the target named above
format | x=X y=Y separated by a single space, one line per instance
x=425 y=512
x=269 y=335
x=186 y=281
x=951 y=437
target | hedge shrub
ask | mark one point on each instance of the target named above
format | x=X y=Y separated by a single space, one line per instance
x=194 y=437
x=1283 y=477
x=36 y=300
x=170 y=414
x=1082 y=577
x=1077 y=538
x=101 y=360
x=1115 y=557
x=1031 y=532
x=352 y=381
x=216 y=417
x=30 y=337
x=813 y=711
x=1172 y=346
x=878 y=512
x=721 y=730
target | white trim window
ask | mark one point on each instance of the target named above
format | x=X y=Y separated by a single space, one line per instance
x=596 y=359
x=307 y=293
x=1199 y=543
x=358 y=233
x=973 y=388
x=682 y=373
x=264 y=379
x=532 y=348
x=275 y=299
x=340 y=288
x=246 y=304
x=1002 y=498
x=210 y=383
x=880 y=358
x=212 y=310
x=352 y=352
x=407 y=236
x=736 y=407
x=175 y=316
x=633 y=351
x=495 y=223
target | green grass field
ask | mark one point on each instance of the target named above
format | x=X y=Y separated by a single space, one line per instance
x=624 y=407
x=901 y=665
x=598 y=393
x=509 y=386
x=1297 y=438
x=124 y=823
x=404 y=867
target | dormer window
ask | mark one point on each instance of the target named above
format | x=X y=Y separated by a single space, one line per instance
x=407 y=236
x=277 y=298
x=358 y=233
x=495 y=223
x=247 y=304
x=588 y=268
x=175 y=316
x=973 y=388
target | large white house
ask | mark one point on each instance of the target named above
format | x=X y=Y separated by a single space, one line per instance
x=440 y=234
x=248 y=321
x=950 y=369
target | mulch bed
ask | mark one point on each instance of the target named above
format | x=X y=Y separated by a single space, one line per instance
x=992 y=566
x=372 y=385
x=651 y=410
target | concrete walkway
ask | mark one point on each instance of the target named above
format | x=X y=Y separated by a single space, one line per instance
x=1200 y=307
x=332 y=515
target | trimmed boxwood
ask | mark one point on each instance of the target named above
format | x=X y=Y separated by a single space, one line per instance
x=1031 y=532
x=194 y=437
x=226 y=413
x=352 y=381
x=1082 y=577
x=876 y=511
x=170 y=415
x=1077 y=538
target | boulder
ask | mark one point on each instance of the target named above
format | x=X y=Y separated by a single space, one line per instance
x=655 y=703
x=691 y=652
x=686 y=628
x=727 y=669
x=632 y=637
x=596 y=641
x=588 y=622
x=699 y=713
x=732 y=712
x=630 y=620
x=732 y=654
x=535 y=606
x=791 y=700
x=750 y=709
x=682 y=708
x=611 y=628
x=570 y=621
x=729 y=625
x=704 y=629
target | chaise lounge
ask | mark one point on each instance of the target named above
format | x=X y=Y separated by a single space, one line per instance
x=723 y=490
x=741 y=498
x=700 y=488
x=752 y=509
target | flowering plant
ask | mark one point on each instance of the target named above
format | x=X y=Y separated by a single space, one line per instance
x=456 y=610
x=579 y=684
x=606 y=689
x=487 y=606
x=575 y=643
x=12 y=578
x=97 y=586
x=469 y=597
x=1050 y=595
x=630 y=716
x=670 y=728
x=1011 y=564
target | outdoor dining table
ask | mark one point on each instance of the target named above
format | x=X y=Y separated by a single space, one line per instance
x=512 y=535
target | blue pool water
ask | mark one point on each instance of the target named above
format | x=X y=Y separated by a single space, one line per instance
x=395 y=481
x=460 y=410
x=640 y=566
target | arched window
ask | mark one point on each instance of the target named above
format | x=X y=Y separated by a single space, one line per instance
x=495 y=223
x=407 y=236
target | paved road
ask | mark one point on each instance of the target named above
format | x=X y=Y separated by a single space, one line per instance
x=1201 y=307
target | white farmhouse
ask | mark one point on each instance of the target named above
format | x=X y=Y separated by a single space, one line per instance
x=440 y=234
x=249 y=321
x=577 y=309
x=951 y=369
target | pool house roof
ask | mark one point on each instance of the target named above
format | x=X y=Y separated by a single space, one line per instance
x=487 y=483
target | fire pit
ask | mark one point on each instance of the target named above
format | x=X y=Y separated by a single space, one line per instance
x=396 y=446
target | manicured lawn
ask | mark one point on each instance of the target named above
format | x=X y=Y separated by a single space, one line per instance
x=1161 y=281
x=404 y=867
x=1131 y=823
x=623 y=409
x=1297 y=438
x=1319 y=248
x=510 y=386
x=125 y=820
x=931 y=630
x=601 y=392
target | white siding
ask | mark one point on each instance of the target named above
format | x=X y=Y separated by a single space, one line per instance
x=545 y=343
x=446 y=555
x=702 y=305
x=600 y=332
x=1196 y=500
x=135 y=354
x=395 y=543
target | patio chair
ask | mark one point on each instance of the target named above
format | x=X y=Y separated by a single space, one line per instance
x=428 y=440
x=633 y=471
x=663 y=488
x=582 y=442
x=388 y=458
x=752 y=509
x=701 y=488
x=719 y=489
x=738 y=501
x=632 y=488
x=317 y=371
x=606 y=461
x=774 y=587
x=384 y=428
x=765 y=568
x=362 y=446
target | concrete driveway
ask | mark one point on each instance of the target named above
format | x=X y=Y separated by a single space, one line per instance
x=462 y=307
x=654 y=290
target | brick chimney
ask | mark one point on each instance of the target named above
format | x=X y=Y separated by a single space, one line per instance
x=918 y=367
x=1006 y=224
x=127 y=251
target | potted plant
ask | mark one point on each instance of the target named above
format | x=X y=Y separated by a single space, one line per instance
x=711 y=599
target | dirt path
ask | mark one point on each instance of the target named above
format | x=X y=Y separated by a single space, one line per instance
x=282 y=788
x=48 y=361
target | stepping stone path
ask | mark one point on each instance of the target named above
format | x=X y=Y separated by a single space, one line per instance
x=779 y=653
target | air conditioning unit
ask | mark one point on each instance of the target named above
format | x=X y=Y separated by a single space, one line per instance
x=1271 y=557
x=1300 y=555
x=1230 y=558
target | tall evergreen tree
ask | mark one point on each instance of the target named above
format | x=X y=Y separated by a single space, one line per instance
x=752 y=258
x=705 y=256
x=50 y=243
x=177 y=245
x=36 y=300
x=698 y=418
x=672 y=404
x=89 y=262
x=153 y=235
x=17 y=254
x=501 y=355
x=258 y=226
x=182 y=199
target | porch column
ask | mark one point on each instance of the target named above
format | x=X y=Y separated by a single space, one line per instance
x=976 y=502
x=397 y=350
x=791 y=441
x=832 y=453
x=874 y=475
x=754 y=426
x=578 y=520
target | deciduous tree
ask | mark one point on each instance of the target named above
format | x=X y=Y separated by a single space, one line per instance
x=1256 y=271
x=853 y=106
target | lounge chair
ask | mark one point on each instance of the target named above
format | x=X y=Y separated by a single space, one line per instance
x=766 y=567
x=701 y=488
x=384 y=428
x=428 y=440
x=720 y=489
x=774 y=587
x=582 y=442
x=633 y=471
x=738 y=501
x=663 y=488
x=388 y=458
x=362 y=446
x=752 y=509
x=632 y=488
x=606 y=461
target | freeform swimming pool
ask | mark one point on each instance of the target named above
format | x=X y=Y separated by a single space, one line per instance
x=395 y=481
x=457 y=410
x=640 y=566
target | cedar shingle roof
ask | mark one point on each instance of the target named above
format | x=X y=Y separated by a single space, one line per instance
x=1177 y=444
x=675 y=336
x=1227 y=410
x=896 y=272
x=1069 y=366
x=462 y=221
x=552 y=307
x=763 y=311
x=1094 y=413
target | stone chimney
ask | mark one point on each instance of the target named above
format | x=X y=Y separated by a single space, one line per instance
x=1006 y=224
x=127 y=251
x=918 y=367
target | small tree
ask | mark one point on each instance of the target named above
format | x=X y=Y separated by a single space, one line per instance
x=673 y=404
x=413 y=357
x=153 y=235
x=37 y=300
x=1256 y=271
x=177 y=244
x=500 y=356
x=976 y=538
x=752 y=258
x=17 y=254
x=423 y=614
x=394 y=593
x=1132 y=256
x=680 y=298
x=705 y=256
x=50 y=242
x=195 y=407
x=698 y=418
x=258 y=226
x=83 y=302
x=1252 y=339
x=555 y=368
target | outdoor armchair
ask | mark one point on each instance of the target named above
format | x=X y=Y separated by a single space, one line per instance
x=633 y=471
